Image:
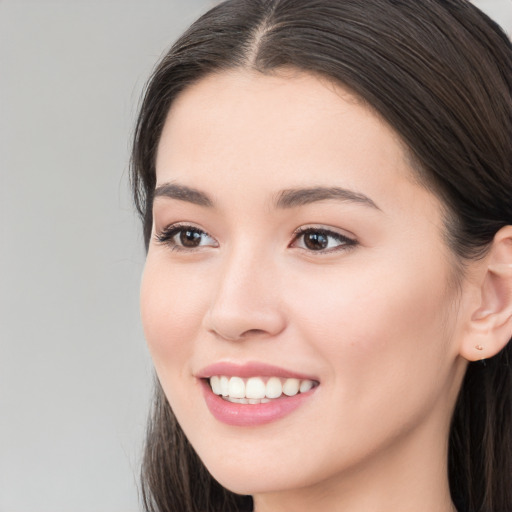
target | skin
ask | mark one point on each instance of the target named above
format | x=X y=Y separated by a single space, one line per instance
x=378 y=323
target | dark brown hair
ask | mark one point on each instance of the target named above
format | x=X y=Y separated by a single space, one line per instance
x=439 y=72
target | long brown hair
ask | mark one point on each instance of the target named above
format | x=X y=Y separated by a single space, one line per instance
x=439 y=72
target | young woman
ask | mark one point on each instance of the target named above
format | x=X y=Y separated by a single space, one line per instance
x=325 y=188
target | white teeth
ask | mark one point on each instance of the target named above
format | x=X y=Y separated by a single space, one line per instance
x=247 y=400
x=305 y=385
x=237 y=400
x=291 y=387
x=274 y=389
x=215 y=384
x=254 y=390
x=256 y=401
x=236 y=388
x=224 y=386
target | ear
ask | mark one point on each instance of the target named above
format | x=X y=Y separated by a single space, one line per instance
x=489 y=327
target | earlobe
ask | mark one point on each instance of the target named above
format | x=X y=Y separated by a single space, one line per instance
x=490 y=325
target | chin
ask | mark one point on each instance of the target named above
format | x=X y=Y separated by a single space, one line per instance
x=251 y=482
x=260 y=472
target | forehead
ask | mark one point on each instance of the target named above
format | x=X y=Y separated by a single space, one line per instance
x=274 y=131
x=249 y=103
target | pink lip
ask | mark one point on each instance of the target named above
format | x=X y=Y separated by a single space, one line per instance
x=250 y=369
x=247 y=415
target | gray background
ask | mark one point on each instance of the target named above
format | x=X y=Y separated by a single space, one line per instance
x=75 y=376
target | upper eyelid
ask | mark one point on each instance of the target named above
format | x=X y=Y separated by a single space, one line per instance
x=182 y=224
x=178 y=226
x=324 y=229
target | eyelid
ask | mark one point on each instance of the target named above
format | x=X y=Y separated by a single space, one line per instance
x=347 y=242
x=324 y=229
x=165 y=236
x=344 y=242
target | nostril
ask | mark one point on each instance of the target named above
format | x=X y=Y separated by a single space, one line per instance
x=252 y=332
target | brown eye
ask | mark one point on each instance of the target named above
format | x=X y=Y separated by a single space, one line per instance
x=182 y=237
x=190 y=238
x=321 y=240
x=315 y=241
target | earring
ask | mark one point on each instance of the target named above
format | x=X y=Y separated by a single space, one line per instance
x=480 y=347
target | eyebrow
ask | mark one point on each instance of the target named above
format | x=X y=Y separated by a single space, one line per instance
x=183 y=193
x=290 y=198
x=302 y=196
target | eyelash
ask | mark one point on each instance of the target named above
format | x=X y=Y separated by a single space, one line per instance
x=167 y=235
x=345 y=243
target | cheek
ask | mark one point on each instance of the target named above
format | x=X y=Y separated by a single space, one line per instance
x=384 y=343
x=374 y=303
x=384 y=329
x=171 y=311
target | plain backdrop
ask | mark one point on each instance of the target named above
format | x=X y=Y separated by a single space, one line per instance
x=75 y=375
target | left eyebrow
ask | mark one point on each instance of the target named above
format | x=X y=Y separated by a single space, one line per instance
x=292 y=198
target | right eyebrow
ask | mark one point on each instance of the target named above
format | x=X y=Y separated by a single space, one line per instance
x=183 y=193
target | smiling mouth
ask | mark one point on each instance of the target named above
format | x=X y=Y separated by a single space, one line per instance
x=258 y=390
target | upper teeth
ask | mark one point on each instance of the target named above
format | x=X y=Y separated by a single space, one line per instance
x=255 y=388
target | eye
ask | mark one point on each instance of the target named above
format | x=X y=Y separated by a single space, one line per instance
x=321 y=240
x=185 y=237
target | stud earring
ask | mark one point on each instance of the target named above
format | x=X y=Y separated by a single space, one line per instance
x=479 y=347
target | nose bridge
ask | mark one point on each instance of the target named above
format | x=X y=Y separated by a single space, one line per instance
x=246 y=301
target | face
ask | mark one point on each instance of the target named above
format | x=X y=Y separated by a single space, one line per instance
x=297 y=267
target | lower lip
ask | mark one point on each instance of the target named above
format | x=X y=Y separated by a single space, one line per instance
x=250 y=415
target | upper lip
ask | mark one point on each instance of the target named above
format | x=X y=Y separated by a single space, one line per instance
x=250 y=369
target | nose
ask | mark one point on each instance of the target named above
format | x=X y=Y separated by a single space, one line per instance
x=246 y=303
